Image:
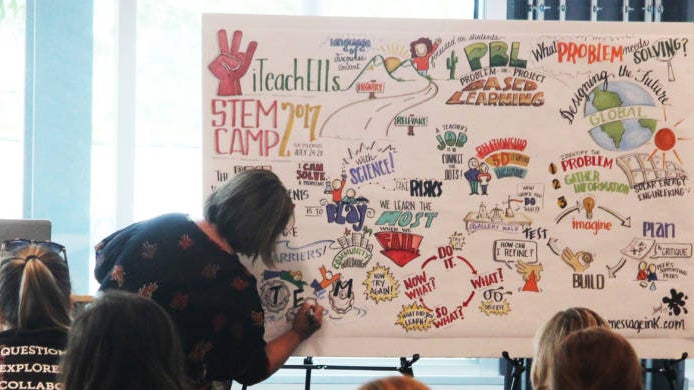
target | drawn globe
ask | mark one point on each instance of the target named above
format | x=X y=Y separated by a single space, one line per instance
x=620 y=134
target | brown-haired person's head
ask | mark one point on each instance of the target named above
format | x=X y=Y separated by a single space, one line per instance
x=551 y=334
x=394 y=383
x=250 y=211
x=596 y=359
x=123 y=341
x=34 y=285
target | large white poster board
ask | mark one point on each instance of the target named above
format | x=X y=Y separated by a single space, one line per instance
x=458 y=182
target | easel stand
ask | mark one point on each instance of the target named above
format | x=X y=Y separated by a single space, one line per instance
x=515 y=371
x=668 y=370
x=405 y=368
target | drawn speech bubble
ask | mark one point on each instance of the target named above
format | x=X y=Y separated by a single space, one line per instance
x=510 y=251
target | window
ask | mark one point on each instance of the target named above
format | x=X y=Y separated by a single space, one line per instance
x=12 y=37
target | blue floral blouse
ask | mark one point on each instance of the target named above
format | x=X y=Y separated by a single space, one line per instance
x=209 y=294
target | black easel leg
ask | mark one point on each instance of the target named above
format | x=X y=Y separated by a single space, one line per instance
x=308 y=361
x=670 y=378
x=406 y=365
x=506 y=369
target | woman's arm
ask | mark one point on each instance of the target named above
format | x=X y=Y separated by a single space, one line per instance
x=308 y=319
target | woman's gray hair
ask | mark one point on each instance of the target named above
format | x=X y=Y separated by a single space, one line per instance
x=250 y=211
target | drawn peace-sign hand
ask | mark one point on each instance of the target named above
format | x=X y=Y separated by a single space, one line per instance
x=231 y=64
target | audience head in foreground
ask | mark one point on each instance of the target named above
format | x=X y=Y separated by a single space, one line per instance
x=123 y=341
x=596 y=359
x=34 y=285
x=549 y=336
x=34 y=312
x=395 y=383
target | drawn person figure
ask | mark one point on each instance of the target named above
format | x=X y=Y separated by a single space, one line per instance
x=231 y=64
x=421 y=51
x=472 y=174
x=484 y=177
x=642 y=274
x=327 y=279
x=651 y=273
x=350 y=196
x=293 y=277
x=338 y=185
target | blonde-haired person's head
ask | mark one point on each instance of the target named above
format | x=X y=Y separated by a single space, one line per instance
x=35 y=287
x=395 y=383
x=549 y=337
x=582 y=362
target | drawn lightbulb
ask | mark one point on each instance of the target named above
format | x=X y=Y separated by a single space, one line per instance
x=589 y=204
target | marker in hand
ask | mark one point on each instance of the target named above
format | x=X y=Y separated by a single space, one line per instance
x=311 y=314
x=311 y=317
x=308 y=319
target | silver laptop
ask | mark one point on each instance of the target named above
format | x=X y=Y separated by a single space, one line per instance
x=30 y=229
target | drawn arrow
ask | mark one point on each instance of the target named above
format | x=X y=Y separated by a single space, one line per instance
x=626 y=222
x=552 y=244
x=566 y=212
x=421 y=300
x=467 y=301
x=612 y=271
x=427 y=261
x=474 y=271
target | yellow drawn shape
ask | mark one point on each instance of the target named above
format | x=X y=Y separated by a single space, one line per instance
x=381 y=284
x=496 y=308
x=415 y=317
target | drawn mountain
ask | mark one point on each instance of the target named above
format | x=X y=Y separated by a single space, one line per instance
x=373 y=116
x=378 y=68
x=407 y=72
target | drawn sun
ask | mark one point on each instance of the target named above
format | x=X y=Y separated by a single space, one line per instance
x=665 y=140
x=393 y=55
x=392 y=63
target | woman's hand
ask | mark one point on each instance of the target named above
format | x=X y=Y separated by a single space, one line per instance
x=308 y=319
